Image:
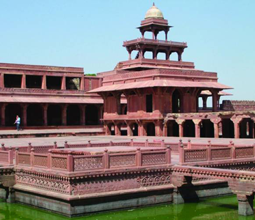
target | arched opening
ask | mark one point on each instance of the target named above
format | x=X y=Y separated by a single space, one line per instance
x=161 y=56
x=172 y=129
x=205 y=100
x=123 y=107
x=150 y=129
x=72 y=83
x=125 y=110
x=134 y=54
x=148 y=55
x=123 y=129
x=134 y=129
x=206 y=128
x=227 y=128
x=73 y=116
x=247 y=128
x=34 y=115
x=174 y=56
x=189 y=128
x=200 y=103
x=148 y=35
x=11 y=111
x=161 y=35
x=149 y=103
x=91 y=115
x=111 y=128
x=12 y=81
x=54 y=115
x=176 y=102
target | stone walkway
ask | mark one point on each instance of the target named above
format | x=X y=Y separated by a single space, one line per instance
x=38 y=141
x=51 y=132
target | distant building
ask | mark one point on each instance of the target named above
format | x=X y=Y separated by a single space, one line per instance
x=46 y=96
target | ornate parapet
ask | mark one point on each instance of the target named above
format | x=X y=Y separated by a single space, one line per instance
x=90 y=185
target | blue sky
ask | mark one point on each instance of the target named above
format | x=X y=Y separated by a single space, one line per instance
x=89 y=34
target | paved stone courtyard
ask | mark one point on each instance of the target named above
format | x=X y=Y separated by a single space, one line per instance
x=37 y=141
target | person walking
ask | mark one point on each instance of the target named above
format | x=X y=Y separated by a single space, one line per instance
x=17 y=122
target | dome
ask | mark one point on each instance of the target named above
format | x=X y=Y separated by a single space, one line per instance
x=154 y=12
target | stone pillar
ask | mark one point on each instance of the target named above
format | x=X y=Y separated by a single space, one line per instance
x=216 y=123
x=24 y=114
x=197 y=127
x=107 y=130
x=117 y=130
x=83 y=112
x=3 y=106
x=184 y=190
x=140 y=53
x=158 y=128
x=82 y=83
x=153 y=35
x=23 y=81
x=167 y=55
x=45 y=114
x=215 y=100
x=1 y=80
x=129 y=130
x=177 y=197
x=245 y=204
x=101 y=109
x=253 y=127
x=236 y=122
x=154 y=54
x=180 y=56
x=64 y=108
x=129 y=55
x=99 y=114
x=44 y=82
x=63 y=83
x=204 y=98
x=237 y=130
x=10 y=195
x=141 y=130
x=165 y=130
x=180 y=123
x=166 y=35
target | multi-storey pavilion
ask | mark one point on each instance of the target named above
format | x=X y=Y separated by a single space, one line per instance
x=162 y=95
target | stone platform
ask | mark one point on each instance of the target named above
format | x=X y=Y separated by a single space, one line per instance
x=81 y=175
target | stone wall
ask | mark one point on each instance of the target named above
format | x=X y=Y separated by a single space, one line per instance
x=238 y=105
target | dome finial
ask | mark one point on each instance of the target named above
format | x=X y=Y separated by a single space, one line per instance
x=154 y=12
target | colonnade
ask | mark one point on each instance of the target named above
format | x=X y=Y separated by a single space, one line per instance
x=51 y=114
x=232 y=127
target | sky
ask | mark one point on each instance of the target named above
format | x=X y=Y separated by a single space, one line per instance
x=89 y=34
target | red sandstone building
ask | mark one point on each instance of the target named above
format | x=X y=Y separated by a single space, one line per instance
x=141 y=96
x=163 y=95
x=46 y=96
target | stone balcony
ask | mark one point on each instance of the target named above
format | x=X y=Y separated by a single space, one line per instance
x=154 y=63
x=155 y=42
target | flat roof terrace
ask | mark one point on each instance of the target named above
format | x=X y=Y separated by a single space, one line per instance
x=28 y=67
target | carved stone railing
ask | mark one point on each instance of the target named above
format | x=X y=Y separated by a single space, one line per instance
x=6 y=157
x=74 y=161
x=198 y=155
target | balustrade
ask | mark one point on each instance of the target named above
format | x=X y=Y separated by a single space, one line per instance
x=207 y=153
x=70 y=161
